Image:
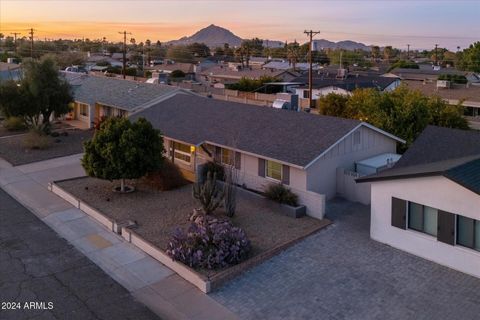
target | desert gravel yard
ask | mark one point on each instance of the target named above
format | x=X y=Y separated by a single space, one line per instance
x=158 y=213
x=13 y=150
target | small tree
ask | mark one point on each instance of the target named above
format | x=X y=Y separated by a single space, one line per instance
x=123 y=150
x=41 y=93
x=208 y=193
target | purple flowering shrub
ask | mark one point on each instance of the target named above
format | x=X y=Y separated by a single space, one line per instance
x=210 y=244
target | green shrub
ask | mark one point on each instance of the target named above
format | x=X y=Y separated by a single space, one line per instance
x=34 y=140
x=281 y=194
x=214 y=168
x=14 y=124
x=168 y=177
x=454 y=78
x=177 y=74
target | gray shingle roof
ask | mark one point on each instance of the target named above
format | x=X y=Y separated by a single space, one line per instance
x=292 y=137
x=467 y=175
x=438 y=144
x=452 y=153
x=123 y=94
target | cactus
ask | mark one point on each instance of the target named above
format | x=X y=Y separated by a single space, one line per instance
x=230 y=191
x=208 y=193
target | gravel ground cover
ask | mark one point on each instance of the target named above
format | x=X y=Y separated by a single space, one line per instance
x=13 y=150
x=158 y=213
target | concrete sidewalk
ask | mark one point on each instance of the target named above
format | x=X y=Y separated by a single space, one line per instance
x=150 y=282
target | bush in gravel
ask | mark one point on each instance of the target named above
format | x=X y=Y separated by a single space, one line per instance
x=168 y=177
x=281 y=194
x=14 y=124
x=35 y=140
x=210 y=244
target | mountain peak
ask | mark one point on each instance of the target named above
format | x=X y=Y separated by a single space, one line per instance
x=212 y=36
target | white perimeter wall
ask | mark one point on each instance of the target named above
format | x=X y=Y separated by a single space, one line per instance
x=436 y=192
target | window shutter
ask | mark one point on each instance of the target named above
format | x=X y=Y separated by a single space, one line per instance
x=399 y=211
x=285 y=174
x=218 y=154
x=261 y=167
x=446 y=227
x=238 y=160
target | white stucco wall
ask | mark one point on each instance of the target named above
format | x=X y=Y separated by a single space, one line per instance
x=436 y=192
x=321 y=175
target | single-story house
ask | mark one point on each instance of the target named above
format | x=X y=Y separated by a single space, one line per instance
x=10 y=71
x=325 y=84
x=267 y=145
x=428 y=204
x=286 y=65
x=426 y=72
x=96 y=96
x=226 y=74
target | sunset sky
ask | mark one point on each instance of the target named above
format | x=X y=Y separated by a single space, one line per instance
x=420 y=23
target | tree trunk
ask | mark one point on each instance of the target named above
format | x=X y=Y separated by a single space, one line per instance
x=122 y=185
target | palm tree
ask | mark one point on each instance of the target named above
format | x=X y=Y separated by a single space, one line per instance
x=293 y=54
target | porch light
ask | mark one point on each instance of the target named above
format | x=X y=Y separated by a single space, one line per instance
x=192 y=149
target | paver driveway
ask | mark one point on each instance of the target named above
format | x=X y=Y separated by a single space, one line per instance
x=340 y=273
x=36 y=265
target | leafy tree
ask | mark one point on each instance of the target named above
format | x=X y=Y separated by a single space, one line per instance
x=402 y=112
x=180 y=53
x=469 y=59
x=387 y=53
x=41 y=93
x=333 y=104
x=250 y=85
x=123 y=150
x=403 y=64
x=199 y=49
x=375 y=52
x=177 y=74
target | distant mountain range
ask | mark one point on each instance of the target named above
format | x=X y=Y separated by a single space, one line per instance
x=214 y=36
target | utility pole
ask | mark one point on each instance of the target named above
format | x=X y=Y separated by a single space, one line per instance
x=15 y=34
x=310 y=33
x=436 y=55
x=31 y=43
x=408 y=52
x=124 y=71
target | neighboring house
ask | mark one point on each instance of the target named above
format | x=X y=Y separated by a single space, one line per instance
x=285 y=65
x=467 y=95
x=223 y=74
x=266 y=145
x=96 y=97
x=167 y=68
x=10 y=71
x=119 y=56
x=93 y=60
x=426 y=72
x=329 y=83
x=428 y=204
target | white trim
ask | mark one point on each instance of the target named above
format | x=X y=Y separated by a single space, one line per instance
x=349 y=133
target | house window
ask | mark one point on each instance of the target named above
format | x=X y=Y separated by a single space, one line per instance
x=356 y=138
x=422 y=218
x=274 y=170
x=83 y=110
x=468 y=232
x=306 y=94
x=182 y=152
x=227 y=157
